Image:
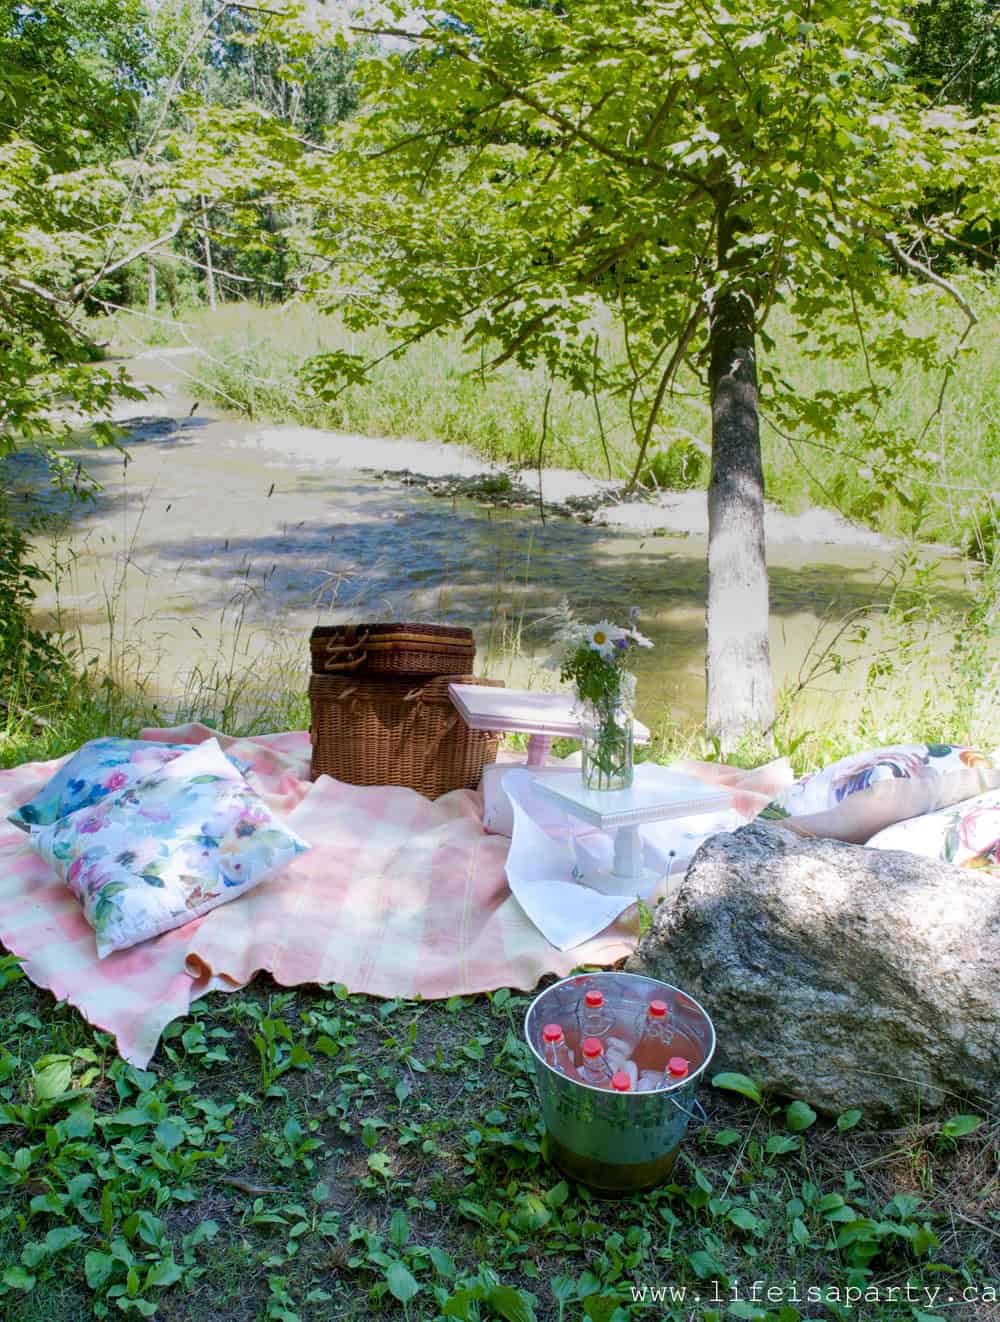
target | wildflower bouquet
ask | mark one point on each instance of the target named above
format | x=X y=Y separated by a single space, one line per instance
x=595 y=658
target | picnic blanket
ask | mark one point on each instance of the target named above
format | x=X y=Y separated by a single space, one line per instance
x=399 y=896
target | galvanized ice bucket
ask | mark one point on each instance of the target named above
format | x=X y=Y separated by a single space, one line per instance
x=617 y=1142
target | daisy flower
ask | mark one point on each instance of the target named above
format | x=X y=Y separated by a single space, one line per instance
x=639 y=639
x=603 y=636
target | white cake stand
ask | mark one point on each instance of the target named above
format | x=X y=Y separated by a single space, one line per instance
x=657 y=795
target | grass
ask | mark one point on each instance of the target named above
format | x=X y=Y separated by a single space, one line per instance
x=434 y=392
x=313 y=1155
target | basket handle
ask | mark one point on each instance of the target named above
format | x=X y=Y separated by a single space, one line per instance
x=332 y=646
x=351 y=663
x=342 y=697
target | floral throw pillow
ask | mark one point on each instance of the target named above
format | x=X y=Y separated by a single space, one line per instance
x=98 y=769
x=966 y=834
x=862 y=794
x=192 y=836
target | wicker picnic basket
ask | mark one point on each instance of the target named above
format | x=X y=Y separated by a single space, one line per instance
x=374 y=730
x=392 y=649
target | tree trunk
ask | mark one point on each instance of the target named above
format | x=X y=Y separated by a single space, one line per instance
x=150 y=286
x=738 y=661
x=209 y=268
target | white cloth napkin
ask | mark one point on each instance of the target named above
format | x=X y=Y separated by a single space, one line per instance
x=558 y=866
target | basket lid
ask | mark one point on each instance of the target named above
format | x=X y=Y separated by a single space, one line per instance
x=400 y=632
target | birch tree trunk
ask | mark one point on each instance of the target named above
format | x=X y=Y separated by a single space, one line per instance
x=150 y=286
x=738 y=659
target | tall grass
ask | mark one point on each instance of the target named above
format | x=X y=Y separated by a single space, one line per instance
x=253 y=357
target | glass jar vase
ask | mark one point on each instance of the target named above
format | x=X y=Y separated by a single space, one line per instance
x=608 y=760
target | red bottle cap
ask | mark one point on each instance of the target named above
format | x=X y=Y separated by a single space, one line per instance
x=552 y=1033
x=658 y=1009
x=620 y=1081
x=592 y=1047
x=594 y=999
x=678 y=1066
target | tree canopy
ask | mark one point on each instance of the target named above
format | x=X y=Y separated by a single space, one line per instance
x=663 y=173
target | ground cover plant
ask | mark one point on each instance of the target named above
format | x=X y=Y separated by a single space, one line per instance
x=309 y=1154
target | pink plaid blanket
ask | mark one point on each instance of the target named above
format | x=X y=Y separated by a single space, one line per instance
x=399 y=896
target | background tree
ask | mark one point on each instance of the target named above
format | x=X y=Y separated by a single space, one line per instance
x=528 y=172
x=109 y=159
x=956 y=52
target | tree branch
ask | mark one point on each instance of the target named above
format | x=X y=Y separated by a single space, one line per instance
x=922 y=268
x=669 y=372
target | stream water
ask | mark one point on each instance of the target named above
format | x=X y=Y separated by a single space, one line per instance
x=216 y=545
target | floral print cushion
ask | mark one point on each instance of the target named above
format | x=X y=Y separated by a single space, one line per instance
x=166 y=849
x=100 y=767
x=966 y=834
x=862 y=794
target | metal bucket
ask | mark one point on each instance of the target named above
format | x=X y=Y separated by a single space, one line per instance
x=615 y=1142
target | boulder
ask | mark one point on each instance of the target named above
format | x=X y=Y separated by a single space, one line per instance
x=844 y=976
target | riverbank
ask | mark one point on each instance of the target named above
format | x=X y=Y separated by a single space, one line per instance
x=251 y=356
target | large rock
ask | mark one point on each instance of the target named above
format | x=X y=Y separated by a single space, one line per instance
x=841 y=975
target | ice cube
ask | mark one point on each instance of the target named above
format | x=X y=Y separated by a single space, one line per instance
x=616 y=1052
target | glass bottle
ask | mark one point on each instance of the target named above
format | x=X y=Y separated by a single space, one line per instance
x=594 y=1016
x=555 y=1050
x=621 y=1082
x=656 y=1024
x=595 y=1070
x=677 y=1069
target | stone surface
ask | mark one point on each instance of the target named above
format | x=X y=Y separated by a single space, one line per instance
x=841 y=975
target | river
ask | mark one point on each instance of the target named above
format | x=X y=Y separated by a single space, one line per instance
x=216 y=543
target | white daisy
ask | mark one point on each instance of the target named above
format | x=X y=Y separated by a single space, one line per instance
x=603 y=636
x=639 y=638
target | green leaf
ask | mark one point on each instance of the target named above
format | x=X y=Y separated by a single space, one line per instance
x=704 y=1265
x=739 y=1083
x=558 y=1194
x=399 y=1228
x=744 y=1218
x=778 y=1144
x=402 y=1284
x=531 y=1212
x=800 y=1232
x=19 y=1279
x=725 y=1138
x=958 y=1126
x=799 y=1116
x=163 y=1273
x=79 y=1122
x=61 y=1237
x=52 y=1077
x=97 y=1268
x=169 y=1134
x=512 y=1305
x=443 y=1262
x=848 y=1120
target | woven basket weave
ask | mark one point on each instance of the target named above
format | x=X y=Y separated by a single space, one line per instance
x=391 y=649
x=390 y=731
